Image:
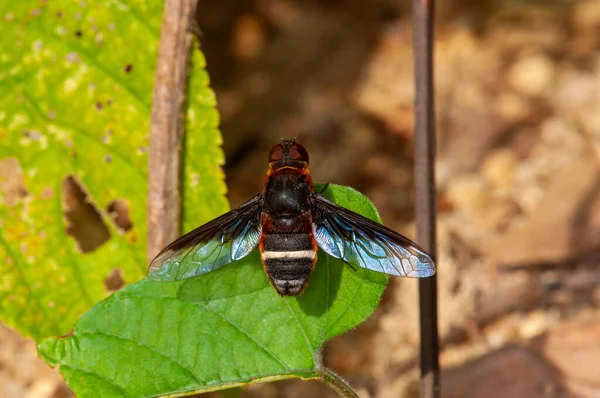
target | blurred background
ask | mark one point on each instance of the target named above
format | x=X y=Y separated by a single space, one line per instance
x=518 y=124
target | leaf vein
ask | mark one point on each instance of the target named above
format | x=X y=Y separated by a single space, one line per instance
x=293 y=314
x=249 y=336
x=95 y=63
x=223 y=318
x=347 y=308
x=81 y=133
x=153 y=349
x=137 y=17
x=78 y=369
x=19 y=266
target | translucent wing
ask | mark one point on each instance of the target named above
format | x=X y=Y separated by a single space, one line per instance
x=217 y=243
x=359 y=241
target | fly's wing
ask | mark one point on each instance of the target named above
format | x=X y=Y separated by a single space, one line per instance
x=217 y=243
x=359 y=241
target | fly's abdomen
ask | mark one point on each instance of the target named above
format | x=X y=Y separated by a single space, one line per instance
x=289 y=259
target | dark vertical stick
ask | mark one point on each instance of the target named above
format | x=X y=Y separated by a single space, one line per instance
x=425 y=190
x=166 y=130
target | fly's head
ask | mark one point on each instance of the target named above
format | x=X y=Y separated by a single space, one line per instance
x=288 y=153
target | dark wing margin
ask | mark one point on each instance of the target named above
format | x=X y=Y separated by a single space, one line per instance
x=346 y=235
x=227 y=238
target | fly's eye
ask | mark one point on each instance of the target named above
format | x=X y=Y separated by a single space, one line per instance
x=276 y=153
x=297 y=152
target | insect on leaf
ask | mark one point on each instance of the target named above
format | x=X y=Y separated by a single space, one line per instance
x=219 y=330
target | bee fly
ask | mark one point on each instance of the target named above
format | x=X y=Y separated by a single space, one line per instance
x=287 y=221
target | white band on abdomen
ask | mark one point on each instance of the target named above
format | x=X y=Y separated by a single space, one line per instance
x=310 y=254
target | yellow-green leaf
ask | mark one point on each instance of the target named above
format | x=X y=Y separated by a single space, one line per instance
x=75 y=96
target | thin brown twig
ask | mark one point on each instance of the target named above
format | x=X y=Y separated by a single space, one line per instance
x=166 y=130
x=425 y=191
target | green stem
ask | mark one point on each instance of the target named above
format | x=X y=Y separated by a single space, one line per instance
x=337 y=383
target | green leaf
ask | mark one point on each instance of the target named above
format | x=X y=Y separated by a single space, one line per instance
x=76 y=83
x=219 y=330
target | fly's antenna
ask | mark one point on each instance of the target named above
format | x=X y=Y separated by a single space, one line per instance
x=287 y=142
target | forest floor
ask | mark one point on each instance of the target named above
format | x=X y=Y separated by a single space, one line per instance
x=518 y=123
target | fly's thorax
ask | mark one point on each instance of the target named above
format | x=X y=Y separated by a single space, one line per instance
x=286 y=195
x=289 y=260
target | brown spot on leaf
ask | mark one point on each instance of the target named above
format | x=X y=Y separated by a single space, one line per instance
x=128 y=68
x=78 y=33
x=119 y=213
x=69 y=334
x=132 y=237
x=33 y=135
x=47 y=193
x=84 y=222
x=114 y=281
x=99 y=105
x=73 y=57
x=12 y=184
